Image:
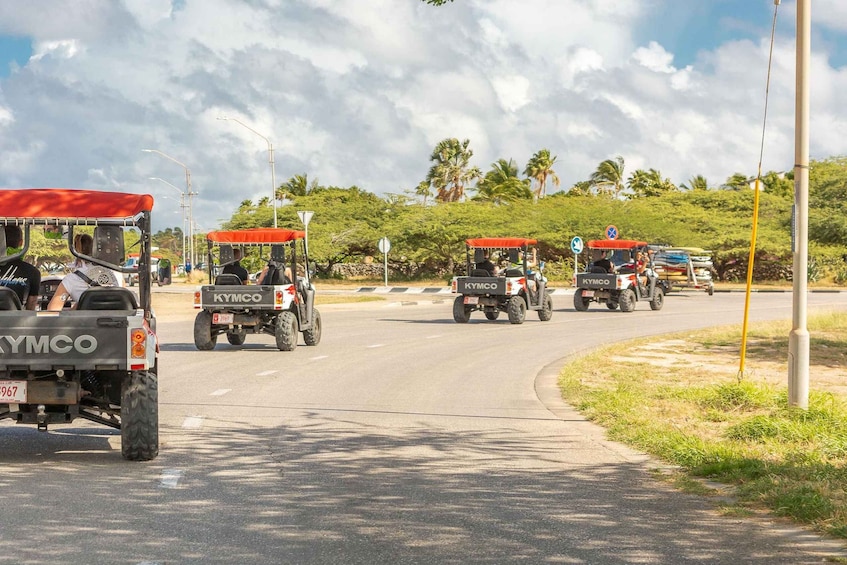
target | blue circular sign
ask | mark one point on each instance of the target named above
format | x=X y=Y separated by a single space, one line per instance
x=576 y=245
x=611 y=232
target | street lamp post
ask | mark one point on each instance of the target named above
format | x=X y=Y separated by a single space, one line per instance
x=182 y=207
x=270 y=159
x=190 y=199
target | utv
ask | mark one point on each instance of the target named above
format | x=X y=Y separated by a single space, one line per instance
x=612 y=278
x=513 y=287
x=98 y=359
x=282 y=305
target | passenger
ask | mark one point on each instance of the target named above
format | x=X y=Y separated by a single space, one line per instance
x=235 y=267
x=85 y=275
x=19 y=275
x=287 y=278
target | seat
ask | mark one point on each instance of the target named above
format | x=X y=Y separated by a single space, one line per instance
x=228 y=279
x=480 y=273
x=598 y=270
x=9 y=299
x=107 y=298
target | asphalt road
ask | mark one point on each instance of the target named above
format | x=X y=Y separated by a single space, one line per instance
x=402 y=437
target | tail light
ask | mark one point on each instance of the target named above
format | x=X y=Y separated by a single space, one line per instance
x=197 y=299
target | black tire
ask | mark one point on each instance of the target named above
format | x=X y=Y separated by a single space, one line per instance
x=286 y=331
x=140 y=416
x=580 y=303
x=626 y=300
x=711 y=290
x=237 y=337
x=204 y=340
x=658 y=299
x=546 y=312
x=492 y=314
x=313 y=336
x=611 y=305
x=461 y=313
x=517 y=310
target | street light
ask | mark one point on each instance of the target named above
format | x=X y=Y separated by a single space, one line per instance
x=190 y=195
x=182 y=207
x=270 y=159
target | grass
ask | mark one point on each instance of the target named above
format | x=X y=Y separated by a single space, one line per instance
x=735 y=430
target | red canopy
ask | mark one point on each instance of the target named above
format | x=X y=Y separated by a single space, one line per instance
x=615 y=244
x=500 y=242
x=49 y=203
x=255 y=235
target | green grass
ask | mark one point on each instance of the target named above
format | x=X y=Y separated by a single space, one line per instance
x=736 y=431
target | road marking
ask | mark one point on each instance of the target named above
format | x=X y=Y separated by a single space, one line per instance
x=433 y=336
x=266 y=373
x=320 y=357
x=376 y=345
x=170 y=478
x=193 y=422
x=221 y=392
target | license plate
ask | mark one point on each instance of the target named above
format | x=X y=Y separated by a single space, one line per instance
x=587 y=293
x=12 y=392
x=472 y=300
x=222 y=318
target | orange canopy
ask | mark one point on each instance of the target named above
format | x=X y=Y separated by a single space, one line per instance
x=255 y=235
x=500 y=242
x=49 y=203
x=615 y=244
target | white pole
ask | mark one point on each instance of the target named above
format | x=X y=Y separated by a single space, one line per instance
x=385 y=266
x=798 y=339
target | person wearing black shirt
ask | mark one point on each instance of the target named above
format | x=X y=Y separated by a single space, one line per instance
x=235 y=267
x=19 y=275
x=486 y=265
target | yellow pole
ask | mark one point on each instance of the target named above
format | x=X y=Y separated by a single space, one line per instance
x=750 y=262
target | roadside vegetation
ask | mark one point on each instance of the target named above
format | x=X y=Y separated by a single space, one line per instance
x=682 y=400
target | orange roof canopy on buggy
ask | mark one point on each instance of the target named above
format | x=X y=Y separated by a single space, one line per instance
x=47 y=203
x=256 y=236
x=615 y=244
x=500 y=242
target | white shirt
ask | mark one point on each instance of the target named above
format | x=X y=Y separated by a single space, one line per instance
x=76 y=285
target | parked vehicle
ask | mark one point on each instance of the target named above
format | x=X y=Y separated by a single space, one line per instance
x=131 y=277
x=514 y=287
x=97 y=361
x=621 y=286
x=282 y=306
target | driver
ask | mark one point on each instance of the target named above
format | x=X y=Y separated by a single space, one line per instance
x=604 y=262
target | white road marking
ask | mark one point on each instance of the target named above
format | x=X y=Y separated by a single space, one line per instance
x=266 y=373
x=193 y=422
x=170 y=478
x=320 y=357
x=433 y=336
x=376 y=345
x=221 y=392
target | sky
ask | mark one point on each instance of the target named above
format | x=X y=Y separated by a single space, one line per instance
x=359 y=92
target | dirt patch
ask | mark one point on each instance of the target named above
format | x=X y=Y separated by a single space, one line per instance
x=173 y=305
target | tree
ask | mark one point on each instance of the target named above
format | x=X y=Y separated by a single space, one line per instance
x=423 y=189
x=649 y=183
x=437 y=2
x=540 y=167
x=698 y=182
x=501 y=184
x=738 y=181
x=452 y=170
x=609 y=176
x=298 y=185
x=582 y=188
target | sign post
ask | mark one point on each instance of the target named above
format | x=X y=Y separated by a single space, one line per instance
x=576 y=247
x=305 y=217
x=384 y=247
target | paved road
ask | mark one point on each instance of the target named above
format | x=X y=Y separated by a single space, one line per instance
x=402 y=438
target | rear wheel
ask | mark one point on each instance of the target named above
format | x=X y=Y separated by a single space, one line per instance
x=627 y=300
x=492 y=314
x=286 y=331
x=140 y=416
x=546 y=311
x=658 y=299
x=579 y=302
x=313 y=336
x=237 y=337
x=461 y=313
x=517 y=310
x=203 y=338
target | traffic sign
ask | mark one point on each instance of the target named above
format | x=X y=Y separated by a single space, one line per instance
x=576 y=245
x=611 y=232
x=384 y=245
x=305 y=216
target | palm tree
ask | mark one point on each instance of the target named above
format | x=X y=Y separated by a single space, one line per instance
x=501 y=184
x=738 y=181
x=452 y=170
x=609 y=176
x=649 y=183
x=582 y=188
x=298 y=185
x=698 y=182
x=539 y=167
x=423 y=189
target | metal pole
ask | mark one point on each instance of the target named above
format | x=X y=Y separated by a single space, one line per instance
x=798 y=339
x=385 y=266
x=190 y=200
x=182 y=209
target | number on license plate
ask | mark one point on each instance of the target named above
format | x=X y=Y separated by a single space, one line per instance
x=12 y=392
x=587 y=293
x=472 y=300
x=222 y=318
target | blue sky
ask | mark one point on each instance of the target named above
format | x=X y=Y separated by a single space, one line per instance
x=358 y=93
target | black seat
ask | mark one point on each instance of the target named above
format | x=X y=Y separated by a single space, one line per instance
x=107 y=298
x=9 y=299
x=480 y=273
x=597 y=270
x=227 y=279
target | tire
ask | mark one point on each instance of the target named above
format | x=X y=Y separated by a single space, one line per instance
x=546 y=311
x=711 y=290
x=611 y=305
x=517 y=310
x=658 y=299
x=140 y=416
x=461 y=313
x=203 y=338
x=237 y=337
x=580 y=303
x=492 y=314
x=627 y=300
x=313 y=336
x=285 y=331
